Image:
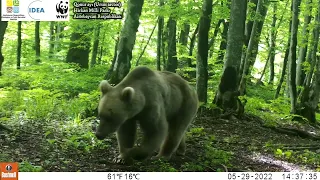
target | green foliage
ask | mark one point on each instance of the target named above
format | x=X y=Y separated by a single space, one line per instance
x=26 y=166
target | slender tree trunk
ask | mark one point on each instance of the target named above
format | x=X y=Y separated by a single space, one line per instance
x=101 y=49
x=192 y=42
x=51 y=42
x=223 y=43
x=160 y=39
x=292 y=55
x=109 y=73
x=147 y=43
x=272 y=44
x=19 y=45
x=172 y=63
x=284 y=66
x=215 y=33
x=304 y=44
x=183 y=40
x=95 y=46
x=252 y=49
x=202 y=56
x=265 y=67
x=37 y=41
x=127 y=40
x=248 y=29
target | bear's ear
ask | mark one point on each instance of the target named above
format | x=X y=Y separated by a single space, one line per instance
x=104 y=86
x=127 y=93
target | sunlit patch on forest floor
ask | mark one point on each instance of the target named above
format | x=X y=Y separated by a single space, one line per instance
x=213 y=145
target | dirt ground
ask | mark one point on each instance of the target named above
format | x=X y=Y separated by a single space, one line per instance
x=245 y=138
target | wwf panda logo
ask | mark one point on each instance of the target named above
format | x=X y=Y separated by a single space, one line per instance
x=62 y=7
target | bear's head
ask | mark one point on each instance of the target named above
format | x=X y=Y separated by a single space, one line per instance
x=116 y=105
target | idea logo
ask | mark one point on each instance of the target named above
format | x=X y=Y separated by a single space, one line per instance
x=8 y=171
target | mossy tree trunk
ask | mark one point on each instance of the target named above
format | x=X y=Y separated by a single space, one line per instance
x=172 y=62
x=272 y=49
x=127 y=40
x=301 y=73
x=202 y=55
x=292 y=55
x=310 y=94
x=79 y=47
x=235 y=41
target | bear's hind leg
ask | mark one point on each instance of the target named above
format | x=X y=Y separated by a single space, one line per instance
x=126 y=136
x=175 y=141
x=171 y=143
x=182 y=147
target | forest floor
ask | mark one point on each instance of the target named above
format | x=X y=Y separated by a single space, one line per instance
x=213 y=144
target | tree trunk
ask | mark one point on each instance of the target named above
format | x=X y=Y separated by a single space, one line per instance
x=285 y=62
x=248 y=29
x=160 y=39
x=212 y=40
x=51 y=42
x=292 y=55
x=101 y=49
x=3 y=27
x=202 y=55
x=229 y=79
x=147 y=43
x=310 y=93
x=311 y=60
x=19 y=45
x=183 y=40
x=223 y=43
x=192 y=42
x=304 y=44
x=95 y=45
x=59 y=28
x=252 y=49
x=109 y=73
x=37 y=41
x=272 y=44
x=172 y=63
x=127 y=40
x=79 y=48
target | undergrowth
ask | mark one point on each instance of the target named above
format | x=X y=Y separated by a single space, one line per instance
x=64 y=98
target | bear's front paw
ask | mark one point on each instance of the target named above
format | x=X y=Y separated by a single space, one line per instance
x=121 y=160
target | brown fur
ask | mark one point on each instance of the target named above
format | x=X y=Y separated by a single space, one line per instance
x=162 y=103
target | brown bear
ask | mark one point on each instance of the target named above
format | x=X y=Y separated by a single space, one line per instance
x=161 y=102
